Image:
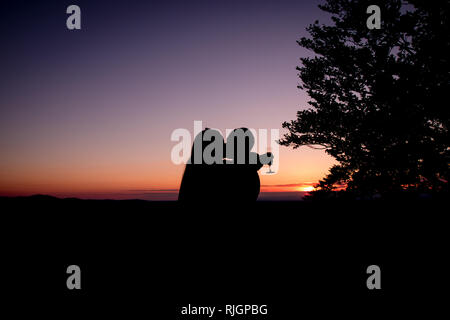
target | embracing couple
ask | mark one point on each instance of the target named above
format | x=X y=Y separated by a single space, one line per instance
x=225 y=171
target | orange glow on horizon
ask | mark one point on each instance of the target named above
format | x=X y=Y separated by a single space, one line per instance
x=307 y=189
x=140 y=174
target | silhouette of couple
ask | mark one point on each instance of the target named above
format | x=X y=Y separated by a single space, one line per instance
x=225 y=171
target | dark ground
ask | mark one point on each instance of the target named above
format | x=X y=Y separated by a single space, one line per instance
x=147 y=259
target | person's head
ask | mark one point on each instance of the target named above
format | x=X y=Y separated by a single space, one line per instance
x=207 y=148
x=239 y=143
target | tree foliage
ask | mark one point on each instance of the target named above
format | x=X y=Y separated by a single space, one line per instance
x=378 y=98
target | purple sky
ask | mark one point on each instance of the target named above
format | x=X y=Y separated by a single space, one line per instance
x=93 y=110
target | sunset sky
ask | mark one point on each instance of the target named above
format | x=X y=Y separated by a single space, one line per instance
x=89 y=113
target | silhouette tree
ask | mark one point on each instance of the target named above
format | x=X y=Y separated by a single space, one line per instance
x=378 y=98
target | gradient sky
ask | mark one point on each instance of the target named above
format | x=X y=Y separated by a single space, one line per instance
x=90 y=113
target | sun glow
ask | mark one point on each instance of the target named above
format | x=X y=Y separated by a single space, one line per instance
x=307 y=189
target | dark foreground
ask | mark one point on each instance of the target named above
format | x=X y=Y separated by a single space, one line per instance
x=144 y=260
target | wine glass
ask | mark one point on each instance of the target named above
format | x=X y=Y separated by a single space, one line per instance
x=269 y=154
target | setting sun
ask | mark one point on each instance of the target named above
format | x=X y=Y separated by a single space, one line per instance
x=307 y=189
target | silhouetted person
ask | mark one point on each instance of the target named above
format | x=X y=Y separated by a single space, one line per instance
x=241 y=178
x=201 y=180
x=212 y=176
